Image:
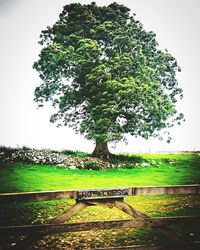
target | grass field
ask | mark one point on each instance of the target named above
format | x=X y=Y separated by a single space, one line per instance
x=168 y=170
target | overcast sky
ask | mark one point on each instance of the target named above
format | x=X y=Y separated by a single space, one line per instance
x=176 y=23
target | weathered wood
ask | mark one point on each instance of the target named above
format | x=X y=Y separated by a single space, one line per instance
x=37 y=235
x=175 y=246
x=107 y=196
x=175 y=189
x=38 y=196
x=160 y=229
x=126 y=208
x=103 y=193
x=99 y=225
x=99 y=193
x=73 y=210
x=105 y=202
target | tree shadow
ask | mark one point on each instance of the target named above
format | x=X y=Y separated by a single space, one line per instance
x=125 y=158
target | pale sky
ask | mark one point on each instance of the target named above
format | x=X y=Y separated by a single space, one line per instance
x=176 y=24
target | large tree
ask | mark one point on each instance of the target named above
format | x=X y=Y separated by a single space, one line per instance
x=106 y=76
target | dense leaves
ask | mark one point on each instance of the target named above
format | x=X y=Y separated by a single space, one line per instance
x=105 y=74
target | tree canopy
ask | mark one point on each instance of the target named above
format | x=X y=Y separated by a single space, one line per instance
x=106 y=76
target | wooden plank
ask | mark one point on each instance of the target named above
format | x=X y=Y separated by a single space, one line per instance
x=99 y=225
x=99 y=193
x=175 y=189
x=73 y=210
x=38 y=196
x=126 y=208
x=175 y=246
x=160 y=229
x=103 y=193
x=38 y=235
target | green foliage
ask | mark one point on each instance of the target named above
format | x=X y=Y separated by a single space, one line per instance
x=105 y=74
x=126 y=158
x=5 y=152
x=74 y=153
x=129 y=166
x=92 y=166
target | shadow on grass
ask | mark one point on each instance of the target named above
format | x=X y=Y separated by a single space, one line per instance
x=126 y=158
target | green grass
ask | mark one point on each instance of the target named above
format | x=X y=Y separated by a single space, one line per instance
x=20 y=177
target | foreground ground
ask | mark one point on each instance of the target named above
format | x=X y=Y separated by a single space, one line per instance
x=41 y=212
x=168 y=170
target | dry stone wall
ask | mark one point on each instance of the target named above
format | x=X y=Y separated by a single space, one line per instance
x=49 y=157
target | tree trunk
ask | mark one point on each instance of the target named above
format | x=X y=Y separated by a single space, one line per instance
x=101 y=150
